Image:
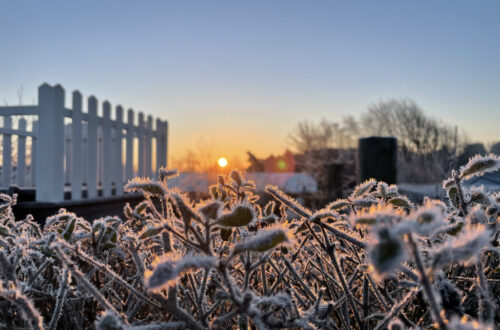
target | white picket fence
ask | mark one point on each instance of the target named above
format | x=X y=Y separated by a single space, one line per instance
x=86 y=152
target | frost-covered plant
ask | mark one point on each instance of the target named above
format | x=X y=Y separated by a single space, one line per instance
x=372 y=260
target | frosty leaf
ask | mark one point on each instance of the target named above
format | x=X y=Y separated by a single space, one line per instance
x=455 y=229
x=478 y=195
x=236 y=176
x=364 y=188
x=463 y=248
x=269 y=208
x=452 y=194
x=338 y=205
x=147 y=186
x=165 y=174
x=241 y=215
x=4 y=207
x=127 y=211
x=166 y=271
x=448 y=183
x=388 y=252
x=141 y=207
x=4 y=231
x=150 y=232
x=211 y=210
x=479 y=165
x=264 y=241
x=69 y=229
x=186 y=212
x=427 y=218
x=364 y=201
x=477 y=216
x=110 y=321
x=382 y=189
x=365 y=220
x=220 y=178
x=225 y=233
x=400 y=201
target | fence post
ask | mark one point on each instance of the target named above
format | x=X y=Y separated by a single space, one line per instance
x=76 y=149
x=50 y=144
x=33 y=153
x=92 y=148
x=377 y=159
x=148 y=153
x=107 y=161
x=119 y=151
x=7 y=153
x=21 y=154
x=129 y=165
x=142 y=152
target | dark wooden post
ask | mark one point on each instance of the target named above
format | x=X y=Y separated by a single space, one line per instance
x=377 y=158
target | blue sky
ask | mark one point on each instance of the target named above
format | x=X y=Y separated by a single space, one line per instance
x=242 y=74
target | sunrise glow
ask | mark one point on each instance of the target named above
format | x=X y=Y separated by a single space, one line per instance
x=222 y=162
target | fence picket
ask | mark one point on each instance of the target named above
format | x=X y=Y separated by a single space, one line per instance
x=107 y=161
x=148 y=146
x=92 y=147
x=33 y=154
x=76 y=147
x=118 y=167
x=68 y=158
x=142 y=151
x=7 y=153
x=129 y=165
x=21 y=154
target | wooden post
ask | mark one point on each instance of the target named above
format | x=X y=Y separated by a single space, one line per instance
x=21 y=154
x=377 y=159
x=92 y=148
x=107 y=161
x=33 y=153
x=7 y=153
x=129 y=165
x=76 y=148
x=50 y=144
x=142 y=151
x=119 y=153
x=148 y=146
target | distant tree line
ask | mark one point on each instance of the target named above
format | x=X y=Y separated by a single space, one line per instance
x=428 y=147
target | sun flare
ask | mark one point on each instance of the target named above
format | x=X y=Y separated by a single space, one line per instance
x=222 y=162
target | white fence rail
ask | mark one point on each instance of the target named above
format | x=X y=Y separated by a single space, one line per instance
x=85 y=153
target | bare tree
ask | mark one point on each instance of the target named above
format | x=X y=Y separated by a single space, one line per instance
x=425 y=142
x=308 y=136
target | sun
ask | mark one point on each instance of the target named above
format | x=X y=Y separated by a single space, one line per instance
x=222 y=162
